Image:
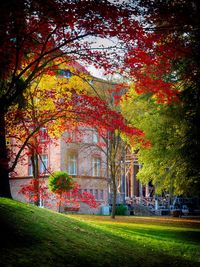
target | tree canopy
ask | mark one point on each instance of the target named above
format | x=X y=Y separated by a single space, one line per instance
x=37 y=37
x=154 y=43
x=170 y=75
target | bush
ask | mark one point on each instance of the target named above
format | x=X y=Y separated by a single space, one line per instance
x=60 y=182
x=121 y=210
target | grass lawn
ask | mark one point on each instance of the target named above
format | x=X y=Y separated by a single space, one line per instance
x=31 y=236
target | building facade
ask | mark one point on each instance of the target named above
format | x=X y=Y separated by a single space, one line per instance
x=80 y=154
x=77 y=154
x=130 y=188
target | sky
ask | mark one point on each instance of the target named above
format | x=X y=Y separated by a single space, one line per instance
x=99 y=73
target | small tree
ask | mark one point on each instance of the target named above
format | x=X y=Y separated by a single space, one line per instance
x=59 y=183
x=35 y=191
x=103 y=114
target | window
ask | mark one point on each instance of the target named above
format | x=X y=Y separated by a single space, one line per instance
x=72 y=164
x=43 y=163
x=101 y=194
x=96 y=166
x=43 y=134
x=30 y=167
x=95 y=137
x=96 y=194
x=91 y=191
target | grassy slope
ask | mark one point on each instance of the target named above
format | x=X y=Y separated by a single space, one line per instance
x=39 y=237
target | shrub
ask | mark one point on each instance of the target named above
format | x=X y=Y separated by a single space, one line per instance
x=60 y=182
x=121 y=210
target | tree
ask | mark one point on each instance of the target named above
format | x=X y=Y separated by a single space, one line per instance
x=176 y=24
x=47 y=103
x=34 y=37
x=45 y=108
x=66 y=192
x=35 y=191
x=111 y=127
x=60 y=183
x=162 y=163
x=114 y=151
x=50 y=103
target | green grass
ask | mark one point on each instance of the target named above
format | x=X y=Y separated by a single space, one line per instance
x=31 y=236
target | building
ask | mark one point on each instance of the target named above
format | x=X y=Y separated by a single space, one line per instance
x=131 y=189
x=77 y=154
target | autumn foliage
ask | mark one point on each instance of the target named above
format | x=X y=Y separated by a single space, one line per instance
x=38 y=36
x=36 y=190
x=42 y=38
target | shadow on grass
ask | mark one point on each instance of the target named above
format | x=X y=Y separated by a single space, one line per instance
x=35 y=237
x=164 y=234
x=147 y=255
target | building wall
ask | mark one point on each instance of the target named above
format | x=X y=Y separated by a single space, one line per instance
x=96 y=186
x=15 y=185
x=58 y=153
x=52 y=149
x=85 y=150
x=55 y=156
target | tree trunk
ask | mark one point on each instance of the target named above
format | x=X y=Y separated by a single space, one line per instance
x=60 y=202
x=35 y=164
x=4 y=174
x=114 y=198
